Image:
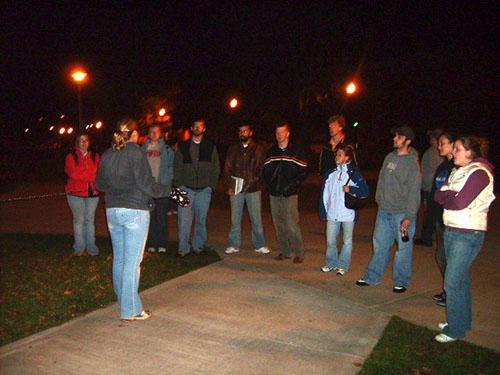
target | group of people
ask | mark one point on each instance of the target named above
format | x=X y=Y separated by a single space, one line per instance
x=138 y=180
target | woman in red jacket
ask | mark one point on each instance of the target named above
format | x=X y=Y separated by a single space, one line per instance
x=83 y=197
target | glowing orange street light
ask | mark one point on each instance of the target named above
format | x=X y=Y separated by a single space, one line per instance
x=70 y=130
x=79 y=76
x=26 y=130
x=98 y=124
x=51 y=128
x=233 y=103
x=62 y=131
x=162 y=112
x=350 y=88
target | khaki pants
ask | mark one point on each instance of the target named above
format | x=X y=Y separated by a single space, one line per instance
x=285 y=213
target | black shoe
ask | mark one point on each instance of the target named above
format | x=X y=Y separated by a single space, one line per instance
x=399 y=289
x=420 y=242
x=362 y=282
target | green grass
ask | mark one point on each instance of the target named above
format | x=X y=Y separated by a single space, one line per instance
x=42 y=285
x=409 y=349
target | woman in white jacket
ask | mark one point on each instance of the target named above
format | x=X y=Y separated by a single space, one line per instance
x=343 y=178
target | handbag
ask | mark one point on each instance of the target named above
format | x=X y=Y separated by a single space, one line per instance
x=352 y=202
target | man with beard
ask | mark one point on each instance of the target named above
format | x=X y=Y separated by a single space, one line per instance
x=196 y=170
x=398 y=199
x=242 y=181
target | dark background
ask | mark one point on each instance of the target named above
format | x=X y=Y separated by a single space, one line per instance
x=425 y=65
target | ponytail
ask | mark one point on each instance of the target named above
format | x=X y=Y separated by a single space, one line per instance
x=121 y=136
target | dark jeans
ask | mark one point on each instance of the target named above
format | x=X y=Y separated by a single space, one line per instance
x=158 y=229
x=428 y=224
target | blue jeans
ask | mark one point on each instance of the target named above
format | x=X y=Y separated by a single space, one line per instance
x=333 y=258
x=83 y=210
x=253 y=204
x=197 y=210
x=129 y=229
x=387 y=231
x=461 y=249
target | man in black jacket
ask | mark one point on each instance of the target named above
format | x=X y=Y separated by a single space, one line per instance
x=285 y=167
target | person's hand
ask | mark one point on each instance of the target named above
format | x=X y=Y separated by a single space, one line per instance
x=230 y=191
x=346 y=188
x=405 y=224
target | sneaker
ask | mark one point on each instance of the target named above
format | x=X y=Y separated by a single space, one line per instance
x=439 y=296
x=399 y=289
x=142 y=316
x=231 y=250
x=328 y=269
x=362 y=282
x=151 y=249
x=442 y=325
x=162 y=250
x=341 y=271
x=444 y=338
x=263 y=250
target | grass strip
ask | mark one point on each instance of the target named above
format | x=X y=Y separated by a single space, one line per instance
x=406 y=348
x=42 y=285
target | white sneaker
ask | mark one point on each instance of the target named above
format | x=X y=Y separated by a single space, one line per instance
x=328 y=269
x=162 y=250
x=263 y=250
x=231 y=250
x=151 y=249
x=341 y=271
x=442 y=325
x=444 y=338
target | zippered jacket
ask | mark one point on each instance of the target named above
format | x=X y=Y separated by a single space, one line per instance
x=81 y=173
x=166 y=162
x=284 y=170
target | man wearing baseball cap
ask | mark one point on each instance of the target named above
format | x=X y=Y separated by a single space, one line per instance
x=398 y=199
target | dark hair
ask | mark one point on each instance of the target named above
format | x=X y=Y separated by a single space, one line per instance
x=349 y=152
x=73 y=149
x=476 y=145
x=450 y=135
x=340 y=119
x=245 y=124
x=282 y=124
x=124 y=129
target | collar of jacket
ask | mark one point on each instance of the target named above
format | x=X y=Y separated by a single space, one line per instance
x=206 y=150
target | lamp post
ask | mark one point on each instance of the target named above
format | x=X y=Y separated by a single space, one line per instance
x=79 y=76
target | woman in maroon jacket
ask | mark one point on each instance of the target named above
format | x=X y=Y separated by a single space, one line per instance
x=83 y=197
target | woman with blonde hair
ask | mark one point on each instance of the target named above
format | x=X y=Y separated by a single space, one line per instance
x=125 y=176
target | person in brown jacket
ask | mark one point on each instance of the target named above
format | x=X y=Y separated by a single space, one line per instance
x=242 y=181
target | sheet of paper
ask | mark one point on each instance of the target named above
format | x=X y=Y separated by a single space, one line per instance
x=238 y=184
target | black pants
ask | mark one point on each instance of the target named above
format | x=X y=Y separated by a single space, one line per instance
x=158 y=229
x=428 y=224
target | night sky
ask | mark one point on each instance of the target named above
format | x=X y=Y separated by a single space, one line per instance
x=422 y=65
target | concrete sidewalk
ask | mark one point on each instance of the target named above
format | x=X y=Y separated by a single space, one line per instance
x=249 y=313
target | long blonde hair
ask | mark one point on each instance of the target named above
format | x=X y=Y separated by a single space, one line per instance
x=123 y=132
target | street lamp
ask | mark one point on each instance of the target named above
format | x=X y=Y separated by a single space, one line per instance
x=350 y=88
x=233 y=103
x=80 y=77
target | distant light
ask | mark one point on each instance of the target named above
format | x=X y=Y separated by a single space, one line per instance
x=233 y=103
x=26 y=130
x=86 y=127
x=40 y=119
x=79 y=76
x=61 y=117
x=62 y=131
x=162 y=112
x=91 y=125
x=350 y=88
x=355 y=124
x=51 y=128
x=98 y=124
x=70 y=130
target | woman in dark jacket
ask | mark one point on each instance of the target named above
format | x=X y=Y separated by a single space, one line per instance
x=125 y=176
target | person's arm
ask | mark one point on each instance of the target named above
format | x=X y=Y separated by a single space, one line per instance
x=227 y=173
x=414 y=184
x=458 y=200
x=178 y=168
x=101 y=180
x=215 y=168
